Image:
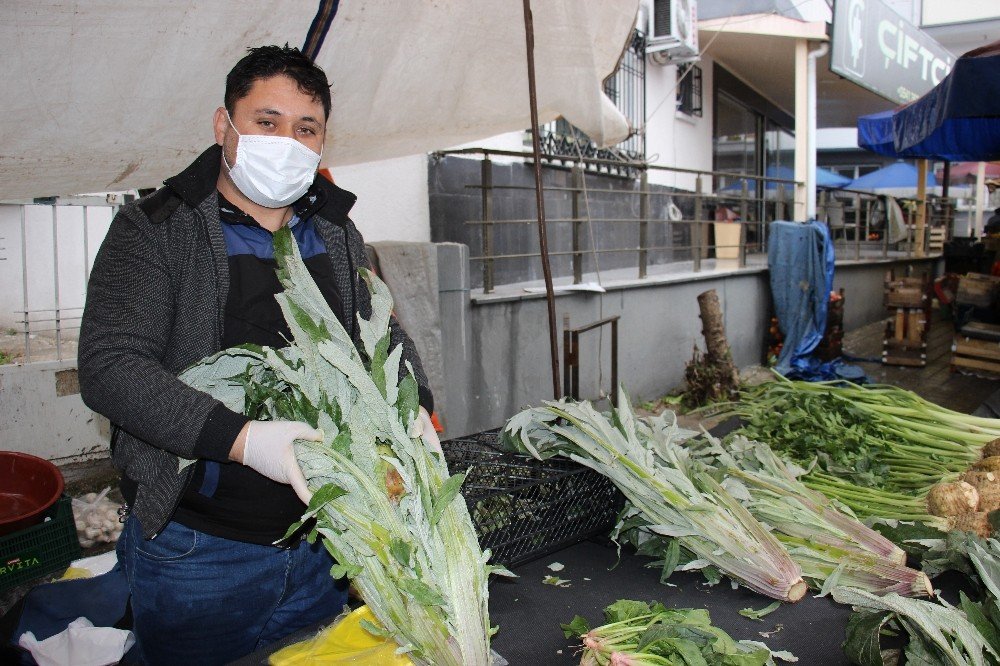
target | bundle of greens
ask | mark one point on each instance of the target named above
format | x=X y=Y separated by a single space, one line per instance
x=384 y=503
x=830 y=544
x=641 y=634
x=673 y=496
x=878 y=449
x=938 y=634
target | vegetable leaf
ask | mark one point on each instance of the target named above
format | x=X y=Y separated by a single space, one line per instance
x=339 y=571
x=423 y=594
x=447 y=493
x=576 y=627
x=863 y=645
x=626 y=609
x=974 y=613
x=401 y=551
x=757 y=614
x=408 y=401
x=324 y=496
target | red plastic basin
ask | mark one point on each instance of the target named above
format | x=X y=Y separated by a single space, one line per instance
x=29 y=485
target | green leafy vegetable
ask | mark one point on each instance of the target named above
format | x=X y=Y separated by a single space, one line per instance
x=822 y=536
x=648 y=634
x=878 y=449
x=670 y=494
x=385 y=505
x=938 y=634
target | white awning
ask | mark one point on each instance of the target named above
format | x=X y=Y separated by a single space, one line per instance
x=119 y=95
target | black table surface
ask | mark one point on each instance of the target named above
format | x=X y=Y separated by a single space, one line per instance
x=529 y=612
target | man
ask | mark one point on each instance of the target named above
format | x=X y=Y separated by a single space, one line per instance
x=183 y=273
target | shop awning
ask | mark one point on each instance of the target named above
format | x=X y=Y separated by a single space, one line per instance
x=957 y=121
x=119 y=95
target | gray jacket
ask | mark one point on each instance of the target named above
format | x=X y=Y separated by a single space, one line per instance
x=155 y=305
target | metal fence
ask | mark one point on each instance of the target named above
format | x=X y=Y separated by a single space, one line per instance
x=728 y=225
x=48 y=321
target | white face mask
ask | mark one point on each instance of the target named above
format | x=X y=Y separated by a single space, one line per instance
x=272 y=171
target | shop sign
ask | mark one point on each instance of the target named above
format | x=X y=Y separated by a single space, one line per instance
x=878 y=49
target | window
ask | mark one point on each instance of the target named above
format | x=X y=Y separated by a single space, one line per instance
x=689 y=89
x=737 y=150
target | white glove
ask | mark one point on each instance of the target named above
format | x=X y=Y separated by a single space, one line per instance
x=268 y=450
x=427 y=430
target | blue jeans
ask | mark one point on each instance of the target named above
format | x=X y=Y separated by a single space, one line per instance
x=200 y=599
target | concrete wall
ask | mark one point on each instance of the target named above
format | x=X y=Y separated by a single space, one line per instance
x=41 y=413
x=673 y=138
x=392 y=198
x=496 y=349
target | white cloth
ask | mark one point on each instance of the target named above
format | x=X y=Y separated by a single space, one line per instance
x=80 y=644
x=105 y=82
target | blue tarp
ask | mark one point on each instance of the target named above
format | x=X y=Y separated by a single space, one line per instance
x=875 y=134
x=957 y=121
x=895 y=175
x=800 y=257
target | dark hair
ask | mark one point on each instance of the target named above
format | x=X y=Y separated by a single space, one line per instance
x=263 y=62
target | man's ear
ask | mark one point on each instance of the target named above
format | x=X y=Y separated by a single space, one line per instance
x=220 y=124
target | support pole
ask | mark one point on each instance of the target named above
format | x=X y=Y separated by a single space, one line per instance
x=799 y=205
x=980 y=197
x=921 y=229
x=543 y=245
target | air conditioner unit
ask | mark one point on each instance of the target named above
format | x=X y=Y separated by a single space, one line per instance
x=673 y=30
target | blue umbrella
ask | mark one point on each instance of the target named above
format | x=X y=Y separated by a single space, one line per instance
x=824 y=178
x=896 y=175
x=957 y=121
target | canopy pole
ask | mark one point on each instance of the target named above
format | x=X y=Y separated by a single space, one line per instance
x=800 y=211
x=921 y=206
x=981 y=195
x=543 y=245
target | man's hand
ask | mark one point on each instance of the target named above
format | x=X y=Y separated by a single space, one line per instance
x=427 y=430
x=266 y=447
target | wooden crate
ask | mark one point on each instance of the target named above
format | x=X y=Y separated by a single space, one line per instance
x=906 y=292
x=936 y=237
x=981 y=331
x=977 y=289
x=904 y=352
x=905 y=341
x=974 y=354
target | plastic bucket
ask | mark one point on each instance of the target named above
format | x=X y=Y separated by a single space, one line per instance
x=29 y=485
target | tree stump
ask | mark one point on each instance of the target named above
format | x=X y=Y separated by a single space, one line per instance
x=712 y=376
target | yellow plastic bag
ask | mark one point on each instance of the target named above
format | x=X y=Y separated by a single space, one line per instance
x=344 y=642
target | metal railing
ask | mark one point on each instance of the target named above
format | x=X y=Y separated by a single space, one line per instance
x=750 y=202
x=571 y=356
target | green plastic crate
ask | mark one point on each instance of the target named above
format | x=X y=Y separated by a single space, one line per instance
x=41 y=549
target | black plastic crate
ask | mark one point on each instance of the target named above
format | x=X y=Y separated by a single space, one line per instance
x=524 y=508
x=40 y=549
